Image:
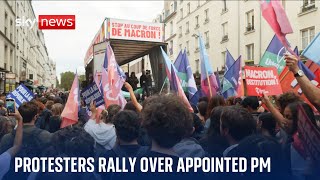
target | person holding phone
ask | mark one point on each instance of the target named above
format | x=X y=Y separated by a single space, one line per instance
x=3 y=110
x=5 y=158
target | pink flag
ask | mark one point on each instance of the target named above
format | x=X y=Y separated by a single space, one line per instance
x=274 y=14
x=112 y=81
x=70 y=112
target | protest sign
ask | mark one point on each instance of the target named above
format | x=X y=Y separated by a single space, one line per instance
x=20 y=95
x=262 y=80
x=135 y=30
x=309 y=134
x=92 y=93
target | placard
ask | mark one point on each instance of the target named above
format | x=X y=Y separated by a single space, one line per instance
x=309 y=135
x=92 y=93
x=262 y=80
x=20 y=95
x=135 y=30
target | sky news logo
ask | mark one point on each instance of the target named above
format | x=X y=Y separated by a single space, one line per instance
x=49 y=22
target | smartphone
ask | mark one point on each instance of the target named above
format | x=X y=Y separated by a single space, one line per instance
x=10 y=105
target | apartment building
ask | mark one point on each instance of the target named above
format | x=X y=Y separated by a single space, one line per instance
x=234 y=25
x=23 y=53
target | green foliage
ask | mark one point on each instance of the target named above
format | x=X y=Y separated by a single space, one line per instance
x=67 y=80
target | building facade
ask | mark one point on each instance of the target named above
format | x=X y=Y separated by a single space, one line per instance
x=234 y=25
x=23 y=53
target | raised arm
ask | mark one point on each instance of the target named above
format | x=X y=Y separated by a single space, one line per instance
x=133 y=97
x=275 y=112
x=19 y=134
x=310 y=90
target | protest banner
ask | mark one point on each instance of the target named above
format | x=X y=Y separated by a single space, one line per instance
x=135 y=30
x=262 y=80
x=92 y=93
x=309 y=134
x=20 y=95
x=290 y=84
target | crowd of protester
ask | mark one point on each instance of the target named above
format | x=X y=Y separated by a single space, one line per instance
x=163 y=127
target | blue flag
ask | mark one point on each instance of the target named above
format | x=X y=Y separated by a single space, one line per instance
x=185 y=73
x=195 y=98
x=231 y=79
x=312 y=51
x=303 y=67
x=229 y=60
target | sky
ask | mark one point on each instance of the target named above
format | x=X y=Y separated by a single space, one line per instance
x=68 y=47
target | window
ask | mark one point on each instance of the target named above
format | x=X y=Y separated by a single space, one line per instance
x=171 y=28
x=181 y=13
x=250 y=52
x=225 y=31
x=250 y=20
x=187 y=27
x=197 y=65
x=180 y=47
x=198 y=3
x=188 y=8
x=5 y=23
x=307 y=5
x=223 y=56
x=306 y=36
x=172 y=9
x=171 y=47
x=181 y=1
x=180 y=31
x=206 y=34
x=197 y=43
x=206 y=14
x=197 y=22
x=187 y=46
x=224 y=6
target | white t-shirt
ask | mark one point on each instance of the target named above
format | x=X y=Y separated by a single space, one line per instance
x=5 y=159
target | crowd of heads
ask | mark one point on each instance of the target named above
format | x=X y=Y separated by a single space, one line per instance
x=164 y=122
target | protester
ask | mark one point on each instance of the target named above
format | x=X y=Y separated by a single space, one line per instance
x=144 y=85
x=236 y=124
x=202 y=107
x=311 y=91
x=5 y=157
x=49 y=105
x=215 y=101
x=267 y=125
x=133 y=81
x=5 y=126
x=102 y=129
x=284 y=99
x=167 y=122
x=55 y=119
x=35 y=140
x=149 y=81
x=133 y=97
x=213 y=142
x=127 y=124
x=42 y=121
x=3 y=110
x=251 y=103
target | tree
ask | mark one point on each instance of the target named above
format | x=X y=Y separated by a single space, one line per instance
x=57 y=83
x=67 y=80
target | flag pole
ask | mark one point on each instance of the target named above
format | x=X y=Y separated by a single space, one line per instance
x=164 y=82
x=209 y=83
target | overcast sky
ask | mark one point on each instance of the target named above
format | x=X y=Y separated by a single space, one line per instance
x=68 y=47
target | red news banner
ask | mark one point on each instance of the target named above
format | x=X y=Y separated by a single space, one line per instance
x=262 y=80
